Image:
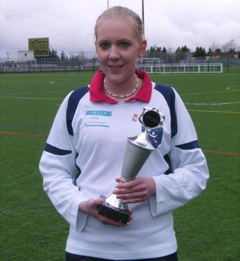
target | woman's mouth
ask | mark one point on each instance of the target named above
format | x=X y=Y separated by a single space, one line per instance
x=115 y=66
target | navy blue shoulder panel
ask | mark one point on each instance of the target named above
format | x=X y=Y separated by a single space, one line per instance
x=73 y=101
x=169 y=96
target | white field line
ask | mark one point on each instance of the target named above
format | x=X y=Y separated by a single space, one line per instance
x=213 y=104
x=28 y=98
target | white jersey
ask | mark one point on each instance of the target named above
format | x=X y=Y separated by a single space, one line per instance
x=89 y=136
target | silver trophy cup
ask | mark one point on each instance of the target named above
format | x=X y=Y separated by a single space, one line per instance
x=137 y=151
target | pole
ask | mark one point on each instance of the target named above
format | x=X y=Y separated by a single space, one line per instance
x=107 y=4
x=143 y=17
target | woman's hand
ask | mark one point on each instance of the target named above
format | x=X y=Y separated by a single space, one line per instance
x=90 y=207
x=137 y=190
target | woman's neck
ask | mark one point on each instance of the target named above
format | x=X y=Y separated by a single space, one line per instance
x=122 y=92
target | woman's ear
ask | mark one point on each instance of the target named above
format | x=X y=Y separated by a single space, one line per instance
x=142 y=48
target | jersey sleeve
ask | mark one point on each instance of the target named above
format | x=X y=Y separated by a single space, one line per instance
x=189 y=167
x=57 y=166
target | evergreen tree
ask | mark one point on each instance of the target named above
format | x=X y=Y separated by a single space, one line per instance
x=200 y=52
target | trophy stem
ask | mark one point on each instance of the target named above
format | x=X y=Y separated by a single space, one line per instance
x=115 y=202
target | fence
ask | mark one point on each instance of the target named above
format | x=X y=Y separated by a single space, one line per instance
x=162 y=64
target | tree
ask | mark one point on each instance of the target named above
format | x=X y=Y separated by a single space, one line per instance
x=151 y=52
x=213 y=48
x=182 y=53
x=229 y=46
x=74 y=57
x=210 y=52
x=200 y=52
x=53 y=54
x=218 y=51
x=183 y=49
x=63 y=56
x=164 y=50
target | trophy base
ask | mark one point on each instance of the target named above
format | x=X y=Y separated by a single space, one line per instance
x=116 y=214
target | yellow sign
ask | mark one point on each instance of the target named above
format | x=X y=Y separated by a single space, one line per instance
x=40 y=46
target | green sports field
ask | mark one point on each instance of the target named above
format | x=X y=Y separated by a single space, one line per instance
x=208 y=228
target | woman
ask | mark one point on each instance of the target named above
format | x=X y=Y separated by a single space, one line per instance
x=88 y=137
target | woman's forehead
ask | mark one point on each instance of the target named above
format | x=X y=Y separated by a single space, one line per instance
x=110 y=26
x=109 y=22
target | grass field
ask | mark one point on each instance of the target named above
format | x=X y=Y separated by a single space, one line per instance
x=207 y=229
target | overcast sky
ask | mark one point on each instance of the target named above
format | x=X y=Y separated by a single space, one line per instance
x=69 y=24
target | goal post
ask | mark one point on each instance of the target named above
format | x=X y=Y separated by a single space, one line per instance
x=150 y=65
x=154 y=65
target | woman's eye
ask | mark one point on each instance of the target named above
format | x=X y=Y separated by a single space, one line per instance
x=104 y=45
x=124 y=44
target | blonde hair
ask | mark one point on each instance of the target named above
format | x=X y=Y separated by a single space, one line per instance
x=124 y=13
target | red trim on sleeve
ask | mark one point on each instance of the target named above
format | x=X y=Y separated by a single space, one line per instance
x=97 y=93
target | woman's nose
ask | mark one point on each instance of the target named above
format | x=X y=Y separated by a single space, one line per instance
x=114 y=54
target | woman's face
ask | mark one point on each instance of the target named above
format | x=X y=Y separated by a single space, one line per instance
x=118 y=49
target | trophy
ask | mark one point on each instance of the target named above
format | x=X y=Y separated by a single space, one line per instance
x=137 y=151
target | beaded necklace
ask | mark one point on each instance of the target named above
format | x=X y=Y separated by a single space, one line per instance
x=120 y=95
